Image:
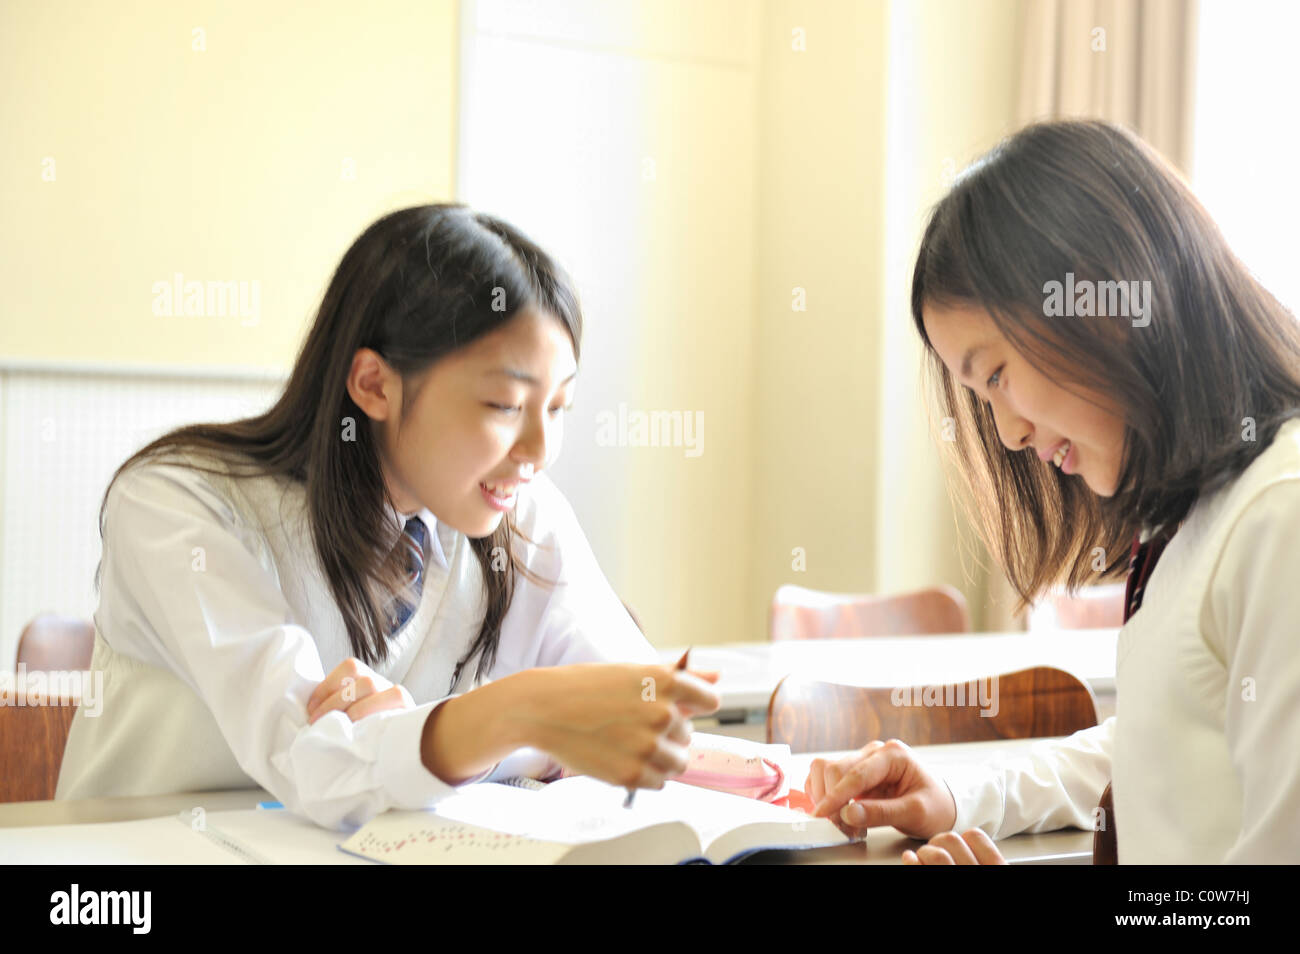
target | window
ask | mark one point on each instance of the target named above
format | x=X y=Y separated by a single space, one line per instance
x=1247 y=142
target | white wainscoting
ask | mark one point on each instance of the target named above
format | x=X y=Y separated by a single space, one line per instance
x=64 y=429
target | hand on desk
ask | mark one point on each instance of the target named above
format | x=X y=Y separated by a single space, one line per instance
x=950 y=848
x=882 y=784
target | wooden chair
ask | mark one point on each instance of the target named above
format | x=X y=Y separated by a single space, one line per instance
x=33 y=737
x=823 y=716
x=799 y=613
x=812 y=716
x=51 y=642
x=1105 y=847
x=1093 y=607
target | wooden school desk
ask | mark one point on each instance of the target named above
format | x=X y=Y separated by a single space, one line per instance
x=318 y=845
x=751 y=671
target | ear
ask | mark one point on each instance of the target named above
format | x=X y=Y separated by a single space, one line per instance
x=374 y=386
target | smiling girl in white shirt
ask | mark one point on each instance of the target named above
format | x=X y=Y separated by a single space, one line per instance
x=1159 y=417
x=371 y=593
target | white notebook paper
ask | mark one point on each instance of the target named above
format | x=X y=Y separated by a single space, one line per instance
x=582 y=821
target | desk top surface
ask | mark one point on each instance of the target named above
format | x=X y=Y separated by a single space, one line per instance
x=882 y=846
x=750 y=671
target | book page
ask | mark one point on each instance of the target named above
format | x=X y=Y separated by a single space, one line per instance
x=490 y=822
x=578 y=808
x=423 y=838
x=726 y=824
x=581 y=810
x=571 y=811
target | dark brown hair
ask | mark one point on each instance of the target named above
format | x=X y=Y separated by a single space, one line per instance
x=1089 y=198
x=416 y=285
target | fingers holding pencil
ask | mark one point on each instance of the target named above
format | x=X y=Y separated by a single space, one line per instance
x=691 y=694
x=625 y=723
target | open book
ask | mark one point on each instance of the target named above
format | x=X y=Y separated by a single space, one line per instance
x=581 y=820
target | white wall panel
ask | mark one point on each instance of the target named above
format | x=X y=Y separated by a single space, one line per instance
x=65 y=430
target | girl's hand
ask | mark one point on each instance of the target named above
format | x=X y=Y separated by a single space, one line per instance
x=625 y=724
x=949 y=848
x=882 y=784
x=354 y=688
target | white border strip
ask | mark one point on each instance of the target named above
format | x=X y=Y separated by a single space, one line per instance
x=206 y=372
x=467 y=33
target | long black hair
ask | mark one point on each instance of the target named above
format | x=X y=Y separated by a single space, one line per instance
x=415 y=286
x=1203 y=386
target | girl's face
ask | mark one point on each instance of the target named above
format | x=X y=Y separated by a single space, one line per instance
x=482 y=421
x=1080 y=432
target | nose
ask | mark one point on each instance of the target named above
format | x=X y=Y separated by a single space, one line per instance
x=536 y=443
x=1013 y=430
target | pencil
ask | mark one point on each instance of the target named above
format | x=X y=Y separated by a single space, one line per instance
x=631 y=792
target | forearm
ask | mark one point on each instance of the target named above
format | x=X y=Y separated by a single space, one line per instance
x=1055 y=785
x=471 y=733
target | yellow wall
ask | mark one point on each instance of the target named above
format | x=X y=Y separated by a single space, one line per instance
x=953 y=81
x=821 y=203
x=222 y=164
x=862 y=132
x=778 y=168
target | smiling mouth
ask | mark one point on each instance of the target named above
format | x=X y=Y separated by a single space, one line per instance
x=1062 y=452
x=502 y=491
x=500 y=496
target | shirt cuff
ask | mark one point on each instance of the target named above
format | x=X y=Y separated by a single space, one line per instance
x=401 y=766
x=525 y=762
x=979 y=798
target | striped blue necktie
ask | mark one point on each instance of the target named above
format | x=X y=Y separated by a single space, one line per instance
x=412 y=542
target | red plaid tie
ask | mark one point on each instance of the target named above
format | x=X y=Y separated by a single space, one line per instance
x=1141 y=562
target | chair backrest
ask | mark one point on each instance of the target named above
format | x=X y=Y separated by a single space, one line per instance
x=1092 y=607
x=32 y=740
x=799 y=613
x=33 y=735
x=1105 y=847
x=812 y=716
x=51 y=642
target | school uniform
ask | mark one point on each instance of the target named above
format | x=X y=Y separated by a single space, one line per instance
x=215 y=625
x=1202 y=746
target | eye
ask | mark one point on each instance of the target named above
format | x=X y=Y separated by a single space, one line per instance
x=504 y=408
x=995 y=377
x=565 y=407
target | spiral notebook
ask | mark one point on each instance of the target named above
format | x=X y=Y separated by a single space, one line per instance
x=581 y=820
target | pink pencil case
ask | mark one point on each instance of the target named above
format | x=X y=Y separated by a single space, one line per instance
x=724 y=764
x=751 y=776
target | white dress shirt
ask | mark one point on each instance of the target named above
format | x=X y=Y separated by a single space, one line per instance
x=1203 y=746
x=215 y=624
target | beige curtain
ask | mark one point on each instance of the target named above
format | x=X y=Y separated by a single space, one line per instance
x=1127 y=61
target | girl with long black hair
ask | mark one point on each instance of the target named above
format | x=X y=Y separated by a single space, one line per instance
x=372 y=593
